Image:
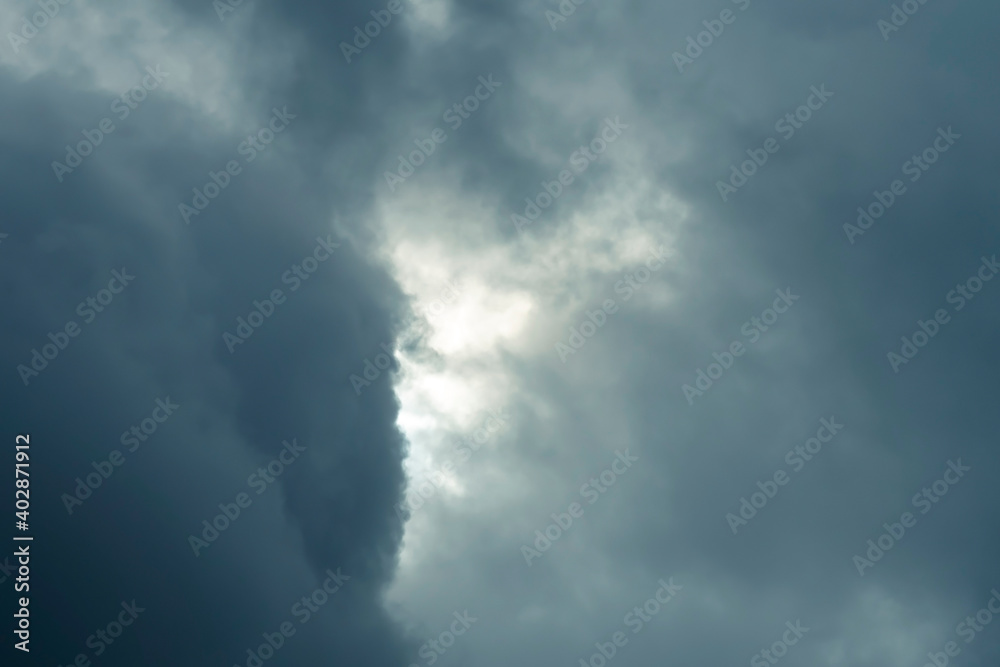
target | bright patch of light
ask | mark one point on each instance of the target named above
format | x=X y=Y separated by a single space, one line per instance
x=482 y=299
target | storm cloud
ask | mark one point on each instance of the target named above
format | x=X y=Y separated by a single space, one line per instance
x=514 y=332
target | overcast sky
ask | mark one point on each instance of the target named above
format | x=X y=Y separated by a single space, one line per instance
x=515 y=332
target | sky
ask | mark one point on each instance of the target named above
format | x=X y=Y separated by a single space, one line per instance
x=454 y=333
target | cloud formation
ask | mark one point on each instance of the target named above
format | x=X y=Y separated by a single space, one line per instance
x=354 y=234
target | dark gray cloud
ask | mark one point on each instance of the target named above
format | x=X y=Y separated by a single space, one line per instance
x=162 y=336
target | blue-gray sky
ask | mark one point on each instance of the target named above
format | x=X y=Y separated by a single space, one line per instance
x=494 y=255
